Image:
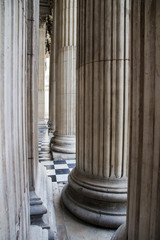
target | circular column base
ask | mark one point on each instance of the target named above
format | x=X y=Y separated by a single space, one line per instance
x=99 y=202
x=121 y=233
x=63 y=144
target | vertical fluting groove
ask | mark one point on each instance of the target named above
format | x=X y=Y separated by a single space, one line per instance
x=111 y=79
x=124 y=110
x=101 y=70
x=119 y=87
x=134 y=98
x=99 y=169
x=78 y=87
x=155 y=218
x=141 y=97
x=126 y=90
x=104 y=88
x=113 y=93
x=69 y=22
x=153 y=199
x=79 y=82
x=123 y=94
x=148 y=137
x=85 y=94
x=92 y=84
x=86 y=97
x=84 y=68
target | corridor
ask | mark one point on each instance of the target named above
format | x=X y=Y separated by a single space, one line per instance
x=92 y=69
x=57 y=169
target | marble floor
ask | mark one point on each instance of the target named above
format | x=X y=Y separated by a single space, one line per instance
x=68 y=226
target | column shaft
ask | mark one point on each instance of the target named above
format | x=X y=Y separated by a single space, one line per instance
x=143 y=219
x=98 y=185
x=64 y=140
x=144 y=180
x=53 y=68
x=41 y=77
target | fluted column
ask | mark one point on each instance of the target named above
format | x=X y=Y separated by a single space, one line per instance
x=53 y=70
x=41 y=74
x=64 y=140
x=143 y=218
x=97 y=189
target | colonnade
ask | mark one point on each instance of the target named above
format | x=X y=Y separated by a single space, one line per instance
x=97 y=188
x=104 y=86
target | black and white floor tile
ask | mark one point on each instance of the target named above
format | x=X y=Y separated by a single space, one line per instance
x=58 y=170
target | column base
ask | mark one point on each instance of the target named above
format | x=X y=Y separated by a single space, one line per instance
x=37 y=210
x=121 y=233
x=100 y=202
x=63 y=144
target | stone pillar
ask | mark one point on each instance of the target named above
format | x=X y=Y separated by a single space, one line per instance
x=143 y=219
x=32 y=90
x=97 y=188
x=53 y=67
x=41 y=80
x=36 y=205
x=14 y=179
x=64 y=140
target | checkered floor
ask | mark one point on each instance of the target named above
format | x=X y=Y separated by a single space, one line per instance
x=58 y=170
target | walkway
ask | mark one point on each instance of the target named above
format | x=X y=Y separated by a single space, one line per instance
x=58 y=170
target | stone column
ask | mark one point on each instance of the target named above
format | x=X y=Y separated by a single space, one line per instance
x=37 y=209
x=97 y=188
x=64 y=140
x=41 y=79
x=53 y=68
x=14 y=179
x=143 y=220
